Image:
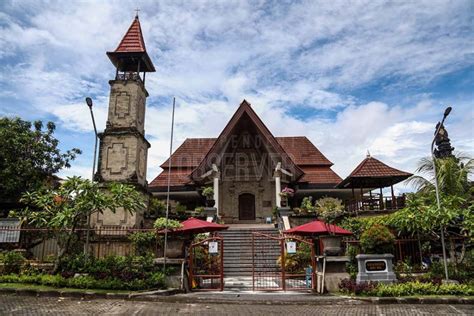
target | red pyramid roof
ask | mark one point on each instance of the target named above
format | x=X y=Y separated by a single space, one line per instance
x=132 y=41
x=373 y=173
x=371 y=167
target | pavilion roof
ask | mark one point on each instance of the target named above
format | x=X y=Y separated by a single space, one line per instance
x=372 y=173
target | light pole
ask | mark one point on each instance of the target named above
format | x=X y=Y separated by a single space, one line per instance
x=446 y=113
x=89 y=104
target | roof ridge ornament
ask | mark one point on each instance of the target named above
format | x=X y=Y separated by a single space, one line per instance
x=368 y=154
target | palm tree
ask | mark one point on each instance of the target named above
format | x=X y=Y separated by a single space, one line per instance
x=453 y=175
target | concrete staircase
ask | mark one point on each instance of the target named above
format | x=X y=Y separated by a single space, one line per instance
x=238 y=250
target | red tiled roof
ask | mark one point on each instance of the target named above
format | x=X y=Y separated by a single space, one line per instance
x=133 y=39
x=371 y=167
x=302 y=151
x=319 y=175
x=191 y=152
x=179 y=177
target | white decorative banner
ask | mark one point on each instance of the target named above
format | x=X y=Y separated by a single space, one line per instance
x=291 y=247
x=213 y=247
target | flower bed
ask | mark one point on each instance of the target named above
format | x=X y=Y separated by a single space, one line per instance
x=87 y=272
x=412 y=288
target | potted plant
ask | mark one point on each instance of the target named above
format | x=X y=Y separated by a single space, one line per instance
x=208 y=193
x=307 y=205
x=329 y=209
x=175 y=243
x=285 y=194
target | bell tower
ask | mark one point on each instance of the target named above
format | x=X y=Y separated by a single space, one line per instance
x=123 y=146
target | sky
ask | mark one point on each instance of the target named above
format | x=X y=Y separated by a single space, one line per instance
x=352 y=76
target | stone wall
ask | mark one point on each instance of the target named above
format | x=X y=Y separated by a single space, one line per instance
x=263 y=190
x=123 y=158
x=127 y=105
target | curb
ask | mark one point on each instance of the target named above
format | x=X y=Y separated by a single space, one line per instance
x=170 y=295
x=89 y=295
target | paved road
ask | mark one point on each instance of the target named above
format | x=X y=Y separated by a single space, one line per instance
x=28 y=305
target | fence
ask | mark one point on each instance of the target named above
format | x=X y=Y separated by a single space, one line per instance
x=41 y=245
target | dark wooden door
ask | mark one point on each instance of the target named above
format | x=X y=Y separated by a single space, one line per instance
x=246 y=206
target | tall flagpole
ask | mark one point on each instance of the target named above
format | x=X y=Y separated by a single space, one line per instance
x=168 y=190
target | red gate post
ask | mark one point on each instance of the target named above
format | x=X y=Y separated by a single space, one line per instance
x=222 y=263
x=190 y=258
x=313 y=267
x=283 y=258
x=253 y=261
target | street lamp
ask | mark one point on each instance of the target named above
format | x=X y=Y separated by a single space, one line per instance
x=446 y=113
x=89 y=104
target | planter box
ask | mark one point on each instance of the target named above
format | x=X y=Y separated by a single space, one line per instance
x=209 y=211
x=285 y=211
x=175 y=248
x=332 y=245
x=375 y=268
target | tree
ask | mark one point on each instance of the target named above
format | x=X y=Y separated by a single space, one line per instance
x=28 y=157
x=65 y=209
x=422 y=215
x=453 y=175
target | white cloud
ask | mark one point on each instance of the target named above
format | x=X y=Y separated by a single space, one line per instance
x=280 y=57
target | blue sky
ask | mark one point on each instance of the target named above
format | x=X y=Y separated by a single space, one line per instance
x=350 y=75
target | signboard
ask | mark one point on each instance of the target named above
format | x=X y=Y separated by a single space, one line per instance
x=291 y=247
x=213 y=247
x=376 y=266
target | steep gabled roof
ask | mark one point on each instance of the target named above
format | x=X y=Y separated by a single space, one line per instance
x=223 y=138
x=372 y=172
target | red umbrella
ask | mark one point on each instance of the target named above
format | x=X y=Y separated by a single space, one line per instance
x=195 y=226
x=317 y=228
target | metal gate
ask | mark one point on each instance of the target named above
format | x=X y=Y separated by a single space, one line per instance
x=206 y=264
x=282 y=263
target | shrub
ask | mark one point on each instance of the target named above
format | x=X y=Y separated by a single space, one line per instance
x=153 y=281
x=307 y=205
x=358 y=225
x=351 y=266
x=377 y=239
x=143 y=242
x=13 y=262
x=349 y=286
x=160 y=224
x=329 y=209
x=208 y=192
x=419 y=288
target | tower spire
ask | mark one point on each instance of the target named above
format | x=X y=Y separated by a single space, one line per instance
x=131 y=54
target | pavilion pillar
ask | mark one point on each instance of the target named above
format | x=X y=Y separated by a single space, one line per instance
x=394 y=201
x=215 y=176
x=216 y=193
x=277 y=189
x=382 y=206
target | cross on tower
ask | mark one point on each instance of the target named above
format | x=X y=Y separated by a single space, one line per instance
x=137 y=10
